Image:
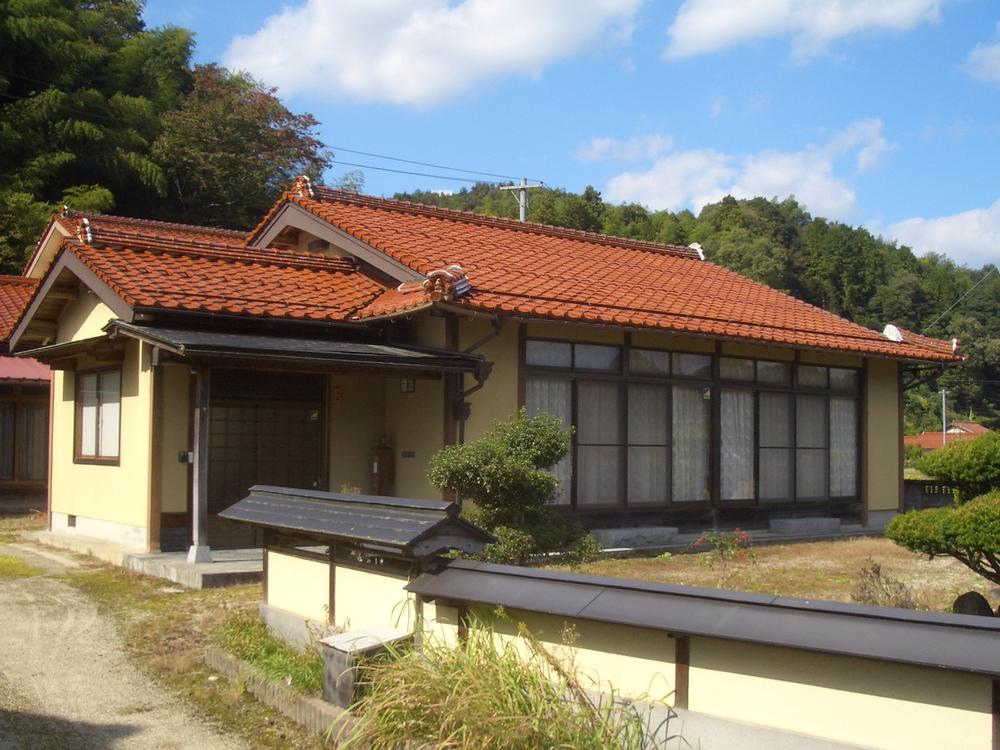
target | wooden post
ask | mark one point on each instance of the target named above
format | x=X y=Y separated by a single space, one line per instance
x=199 y=552
x=682 y=668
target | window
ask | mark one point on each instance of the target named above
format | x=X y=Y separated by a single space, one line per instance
x=651 y=425
x=98 y=415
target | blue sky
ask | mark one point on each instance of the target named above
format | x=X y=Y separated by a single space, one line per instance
x=882 y=113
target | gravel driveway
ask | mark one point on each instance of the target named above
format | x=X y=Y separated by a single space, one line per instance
x=64 y=679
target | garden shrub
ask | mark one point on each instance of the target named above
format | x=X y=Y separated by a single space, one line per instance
x=971 y=466
x=506 y=475
x=881 y=589
x=970 y=533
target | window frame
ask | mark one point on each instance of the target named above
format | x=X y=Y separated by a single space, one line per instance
x=78 y=456
x=715 y=382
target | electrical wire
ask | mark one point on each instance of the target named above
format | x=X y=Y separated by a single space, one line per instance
x=404 y=171
x=955 y=303
x=429 y=164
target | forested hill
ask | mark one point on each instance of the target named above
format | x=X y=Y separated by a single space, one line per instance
x=841 y=268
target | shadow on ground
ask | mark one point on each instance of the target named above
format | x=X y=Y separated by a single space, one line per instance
x=24 y=730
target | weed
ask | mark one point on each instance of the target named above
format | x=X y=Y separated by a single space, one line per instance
x=246 y=637
x=13 y=567
x=485 y=694
x=875 y=587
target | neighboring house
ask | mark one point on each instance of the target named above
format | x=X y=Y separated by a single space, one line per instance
x=957 y=432
x=24 y=409
x=347 y=338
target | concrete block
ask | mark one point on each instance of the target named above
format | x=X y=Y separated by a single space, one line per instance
x=341 y=654
x=804 y=526
x=636 y=536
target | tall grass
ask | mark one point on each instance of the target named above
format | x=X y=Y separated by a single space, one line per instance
x=484 y=694
x=246 y=637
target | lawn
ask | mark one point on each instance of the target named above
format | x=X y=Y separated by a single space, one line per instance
x=814 y=570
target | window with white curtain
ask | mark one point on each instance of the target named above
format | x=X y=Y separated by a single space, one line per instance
x=736 y=472
x=554 y=397
x=691 y=422
x=598 y=440
x=811 y=434
x=645 y=439
x=648 y=444
x=843 y=447
x=777 y=439
x=98 y=415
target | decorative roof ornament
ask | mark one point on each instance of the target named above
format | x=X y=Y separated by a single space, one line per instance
x=696 y=246
x=302 y=187
x=83 y=231
x=447 y=284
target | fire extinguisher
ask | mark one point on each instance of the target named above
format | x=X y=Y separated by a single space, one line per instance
x=383 y=468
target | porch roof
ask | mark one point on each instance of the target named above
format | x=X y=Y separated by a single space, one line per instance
x=405 y=526
x=206 y=347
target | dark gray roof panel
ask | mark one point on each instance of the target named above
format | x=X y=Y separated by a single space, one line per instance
x=410 y=525
x=190 y=343
x=957 y=642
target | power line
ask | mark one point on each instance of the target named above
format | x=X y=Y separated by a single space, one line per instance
x=404 y=171
x=428 y=164
x=955 y=303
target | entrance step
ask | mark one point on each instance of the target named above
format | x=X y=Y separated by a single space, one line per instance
x=635 y=537
x=804 y=526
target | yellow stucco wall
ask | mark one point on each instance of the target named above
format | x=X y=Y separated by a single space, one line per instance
x=415 y=425
x=83 y=318
x=368 y=598
x=440 y=624
x=174 y=438
x=874 y=704
x=830 y=358
x=298 y=585
x=635 y=662
x=497 y=400
x=653 y=340
x=736 y=349
x=575 y=332
x=119 y=494
x=356 y=408
x=883 y=439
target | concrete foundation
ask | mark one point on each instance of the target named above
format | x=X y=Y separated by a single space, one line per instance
x=636 y=537
x=804 y=526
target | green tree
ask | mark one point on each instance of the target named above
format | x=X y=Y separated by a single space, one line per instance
x=82 y=87
x=231 y=147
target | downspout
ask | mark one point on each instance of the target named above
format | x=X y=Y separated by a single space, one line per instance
x=462 y=406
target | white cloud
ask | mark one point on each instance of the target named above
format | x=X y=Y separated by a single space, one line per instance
x=704 y=26
x=690 y=179
x=637 y=148
x=970 y=237
x=983 y=63
x=418 y=52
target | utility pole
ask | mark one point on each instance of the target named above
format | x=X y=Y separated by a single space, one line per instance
x=523 y=189
x=944 y=417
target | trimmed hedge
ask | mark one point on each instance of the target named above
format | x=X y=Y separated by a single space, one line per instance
x=970 y=533
x=971 y=466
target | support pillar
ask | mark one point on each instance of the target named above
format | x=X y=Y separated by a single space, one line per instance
x=199 y=551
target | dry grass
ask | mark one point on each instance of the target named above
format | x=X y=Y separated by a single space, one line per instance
x=813 y=570
x=11 y=526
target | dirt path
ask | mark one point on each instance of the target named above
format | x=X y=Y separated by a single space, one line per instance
x=65 y=681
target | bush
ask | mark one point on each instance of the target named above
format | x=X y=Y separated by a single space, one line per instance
x=912 y=455
x=970 y=533
x=880 y=589
x=484 y=694
x=505 y=474
x=971 y=466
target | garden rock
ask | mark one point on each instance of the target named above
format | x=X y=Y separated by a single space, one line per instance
x=972 y=603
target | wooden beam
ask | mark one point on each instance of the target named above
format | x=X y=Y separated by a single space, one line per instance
x=682 y=671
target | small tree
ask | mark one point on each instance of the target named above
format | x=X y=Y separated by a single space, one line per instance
x=972 y=466
x=970 y=533
x=505 y=474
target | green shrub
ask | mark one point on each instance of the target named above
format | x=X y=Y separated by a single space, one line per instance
x=246 y=637
x=912 y=455
x=484 y=694
x=505 y=474
x=970 y=533
x=972 y=466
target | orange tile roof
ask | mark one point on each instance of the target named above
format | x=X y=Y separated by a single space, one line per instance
x=15 y=291
x=235 y=282
x=537 y=271
x=929 y=441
